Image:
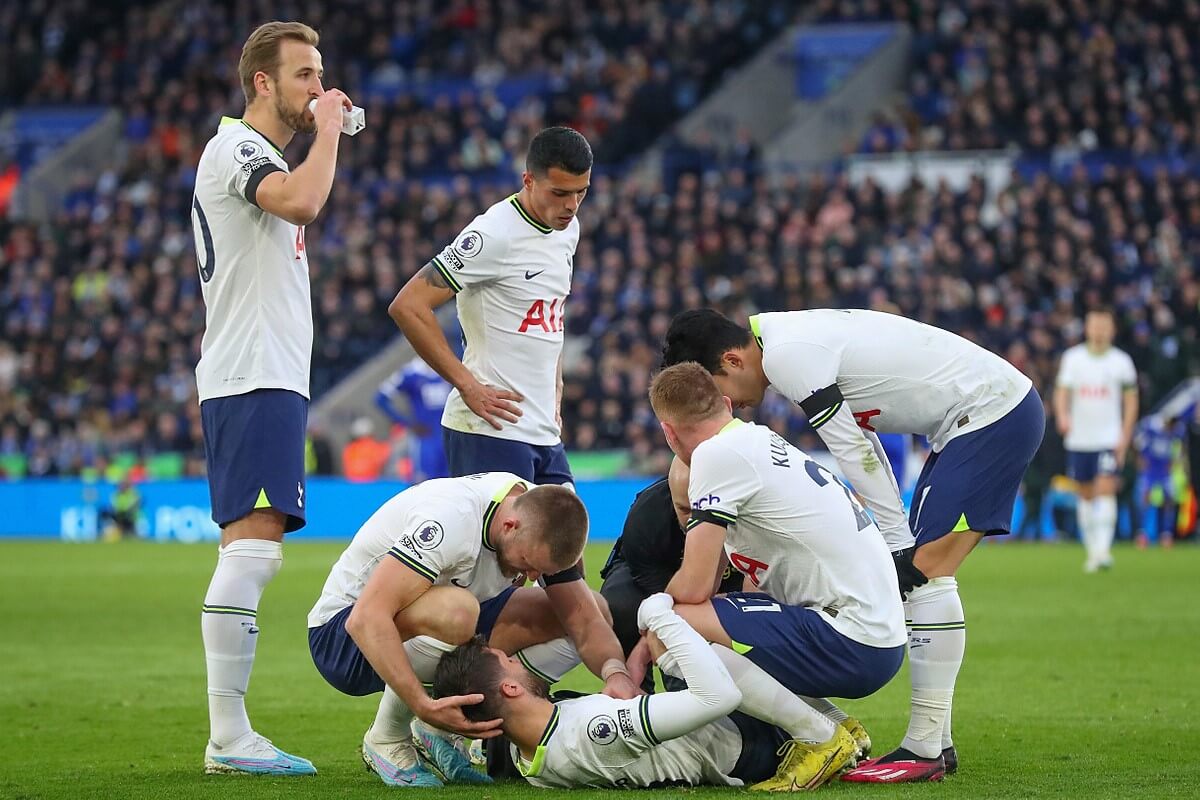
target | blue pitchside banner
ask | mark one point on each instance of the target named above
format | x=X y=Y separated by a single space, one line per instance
x=178 y=510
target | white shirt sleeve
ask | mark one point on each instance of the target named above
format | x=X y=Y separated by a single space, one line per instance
x=432 y=542
x=721 y=482
x=243 y=162
x=817 y=393
x=478 y=254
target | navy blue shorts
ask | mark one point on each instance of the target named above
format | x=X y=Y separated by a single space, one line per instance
x=760 y=744
x=972 y=484
x=344 y=666
x=1086 y=467
x=798 y=648
x=254 y=449
x=471 y=453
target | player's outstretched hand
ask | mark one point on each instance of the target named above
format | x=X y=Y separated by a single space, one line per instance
x=446 y=714
x=907 y=574
x=638 y=661
x=493 y=405
x=328 y=110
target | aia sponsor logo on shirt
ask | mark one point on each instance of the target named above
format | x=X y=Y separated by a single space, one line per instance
x=544 y=315
x=752 y=568
x=1095 y=392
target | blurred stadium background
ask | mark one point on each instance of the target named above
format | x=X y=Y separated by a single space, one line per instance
x=994 y=167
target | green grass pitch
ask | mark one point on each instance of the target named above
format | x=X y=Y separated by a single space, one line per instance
x=1074 y=686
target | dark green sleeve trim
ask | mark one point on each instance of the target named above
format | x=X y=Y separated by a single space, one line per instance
x=455 y=286
x=415 y=566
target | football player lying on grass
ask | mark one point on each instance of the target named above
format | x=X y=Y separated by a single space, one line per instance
x=732 y=726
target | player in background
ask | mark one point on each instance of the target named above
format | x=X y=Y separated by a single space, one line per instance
x=825 y=619
x=1096 y=403
x=708 y=732
x=855 y=373
x=414 y=396
x=1157 y=441
x=248 y=216
x=436 y=564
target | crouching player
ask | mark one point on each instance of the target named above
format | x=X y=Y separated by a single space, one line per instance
x=437 y=564
x=827 y=620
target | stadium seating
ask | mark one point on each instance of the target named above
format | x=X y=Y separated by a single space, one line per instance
x=101 y=311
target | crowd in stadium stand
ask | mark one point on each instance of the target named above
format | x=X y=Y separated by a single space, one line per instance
x=1064 y=75
x=102 y=314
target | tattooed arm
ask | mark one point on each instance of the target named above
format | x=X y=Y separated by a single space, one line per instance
x=412 y=310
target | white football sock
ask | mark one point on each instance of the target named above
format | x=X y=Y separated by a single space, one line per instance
x=935 y=653
x=1104 y=511
x=767 y=699
x=947 y=738
x=1085 y=517
x=827 y=708
x=229 y=629
x=394 y=717
x=550 y=660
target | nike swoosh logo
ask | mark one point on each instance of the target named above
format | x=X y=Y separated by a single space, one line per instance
x=459 y=585
x=531 y=275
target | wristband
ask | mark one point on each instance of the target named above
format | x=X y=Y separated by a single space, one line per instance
x=612 y=667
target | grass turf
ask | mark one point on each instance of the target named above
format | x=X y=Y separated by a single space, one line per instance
x=1074 y=685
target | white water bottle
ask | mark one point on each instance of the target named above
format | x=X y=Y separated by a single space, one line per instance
x=353 y=120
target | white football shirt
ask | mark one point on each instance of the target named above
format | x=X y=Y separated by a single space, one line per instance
x=856 y=372
x=253 y=272
x=1097 y=383
x=438 y=529
x=670 y=737
x=796 y=532
x=512 y=276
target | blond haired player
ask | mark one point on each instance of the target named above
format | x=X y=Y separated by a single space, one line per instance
x=825 y=619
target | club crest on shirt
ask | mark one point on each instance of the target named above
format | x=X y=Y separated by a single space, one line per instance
x=247 y=151
x=602 y=729
x=469 y=244
x=429 y=535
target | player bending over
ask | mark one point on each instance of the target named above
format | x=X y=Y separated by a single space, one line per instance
x=437 y=564
x=853 y=373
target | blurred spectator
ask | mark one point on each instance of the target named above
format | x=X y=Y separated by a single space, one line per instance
x=124 y=512
x=364 y=457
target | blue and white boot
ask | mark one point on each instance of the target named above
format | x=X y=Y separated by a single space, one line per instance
x=253 y=754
